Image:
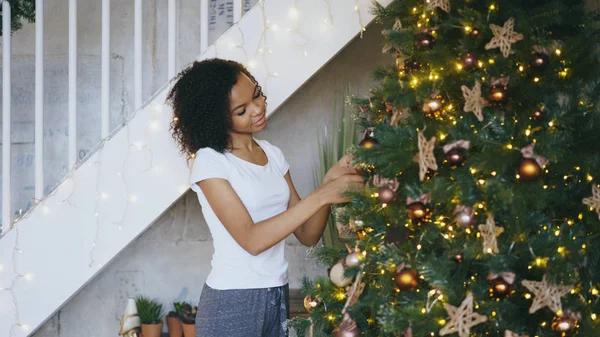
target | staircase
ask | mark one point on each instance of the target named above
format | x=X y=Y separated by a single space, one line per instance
x=136 y=173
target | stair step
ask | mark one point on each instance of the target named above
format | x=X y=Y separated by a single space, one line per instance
x=297 y=304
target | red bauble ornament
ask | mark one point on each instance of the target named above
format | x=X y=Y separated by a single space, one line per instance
x=425 y=40
x=417 y=211
x=499 y=288
x=386 y=195
x=469 y=61
x=529 y=170
x=407 y=279
x=539 y=61
x=498 y=94
x=456 y=156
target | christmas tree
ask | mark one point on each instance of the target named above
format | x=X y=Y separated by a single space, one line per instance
x=481 y=158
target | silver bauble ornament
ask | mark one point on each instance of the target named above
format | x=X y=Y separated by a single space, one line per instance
x=337 y=275
x=353 y=259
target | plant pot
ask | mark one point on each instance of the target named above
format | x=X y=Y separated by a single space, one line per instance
x=189 y=330
x=152 y=330
x=175 y=328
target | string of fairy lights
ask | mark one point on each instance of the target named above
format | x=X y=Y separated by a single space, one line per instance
x=445 y=222
x=261 y=51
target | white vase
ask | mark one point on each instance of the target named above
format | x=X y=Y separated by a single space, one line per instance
x=130 y=319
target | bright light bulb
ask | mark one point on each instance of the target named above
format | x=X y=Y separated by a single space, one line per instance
x=28 y=276
x=46 y=209
x=293 y=13
x=154 y=124
x=133 y=198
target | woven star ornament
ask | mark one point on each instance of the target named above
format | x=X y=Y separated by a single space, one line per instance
x=426 y=159
x=546 y=295
x=504 y=37
x=489 y=233
x=462 y=319
x=443 y=4
x=473 y=100
x=594 y=200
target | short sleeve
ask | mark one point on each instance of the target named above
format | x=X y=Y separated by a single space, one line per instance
x=281 y=163
x=208 y=164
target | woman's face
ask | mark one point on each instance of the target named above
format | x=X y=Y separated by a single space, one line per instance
x=247 y=106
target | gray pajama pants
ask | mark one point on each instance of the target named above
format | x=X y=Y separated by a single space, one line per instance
x=242 y=312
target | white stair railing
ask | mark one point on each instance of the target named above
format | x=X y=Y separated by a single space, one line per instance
x=12 y=210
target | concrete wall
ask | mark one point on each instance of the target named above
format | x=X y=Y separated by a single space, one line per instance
x=171 y=260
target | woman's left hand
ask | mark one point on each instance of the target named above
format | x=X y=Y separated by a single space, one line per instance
x=342 y=167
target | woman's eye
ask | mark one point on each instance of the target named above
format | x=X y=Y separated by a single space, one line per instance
x=242 y=112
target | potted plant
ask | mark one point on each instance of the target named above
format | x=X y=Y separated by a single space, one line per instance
x=151 y=314
x=173 y=322
x=187 y=316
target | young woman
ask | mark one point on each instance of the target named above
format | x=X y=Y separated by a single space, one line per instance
x=247 y=196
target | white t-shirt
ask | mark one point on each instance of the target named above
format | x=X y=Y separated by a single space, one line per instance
x=265 y=193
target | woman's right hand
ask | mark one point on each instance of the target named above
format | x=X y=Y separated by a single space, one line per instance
x=334 y=191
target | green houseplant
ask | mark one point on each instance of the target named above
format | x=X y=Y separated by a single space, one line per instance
x=187 y=316
x=173 y=322
x=332 y=145
x=151 y=314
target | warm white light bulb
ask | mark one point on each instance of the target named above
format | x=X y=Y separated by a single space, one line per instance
x=293 y=12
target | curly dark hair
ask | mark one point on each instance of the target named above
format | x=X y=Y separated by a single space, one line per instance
x=200 y=100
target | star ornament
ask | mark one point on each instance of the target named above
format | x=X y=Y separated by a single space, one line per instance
x=426 y=159
x=489 y=233
x=594 y=200
x=546 y=295
x=462 y=319
x=504 y=37
x=473 y=100
x=443 y=4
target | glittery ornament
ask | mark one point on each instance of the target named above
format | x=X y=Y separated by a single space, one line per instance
x=310 y=303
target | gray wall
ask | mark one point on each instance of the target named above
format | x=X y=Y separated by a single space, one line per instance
x=171 y=260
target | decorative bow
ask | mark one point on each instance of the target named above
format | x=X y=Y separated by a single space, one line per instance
x=573 y=315
x=508 y=333
x=379 y=181
x=424 y=199
x=503 y=81
x=506 y=276
x=541 y=50
x=463 y=143
x=462 y=208
x=527 y=152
